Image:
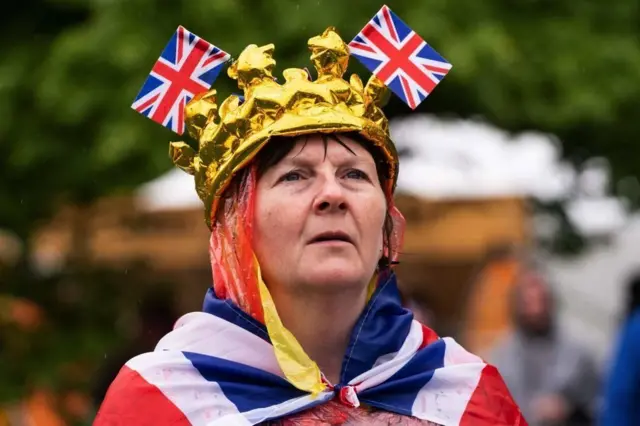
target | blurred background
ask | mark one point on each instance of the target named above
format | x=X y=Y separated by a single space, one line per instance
x=519 y=183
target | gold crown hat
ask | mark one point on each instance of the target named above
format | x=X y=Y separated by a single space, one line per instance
x=230 y=136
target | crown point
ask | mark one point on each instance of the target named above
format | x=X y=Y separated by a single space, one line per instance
x=329 y=53
x=356 y=82
x=228 y=105
x=254 y=65
x=200 y=111
x=376 y=92
x=183 y=156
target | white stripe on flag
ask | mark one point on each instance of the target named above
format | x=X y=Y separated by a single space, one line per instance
x=388 y=365
x=444 y=398
x=206 y=334
x=200 y=400
x=260 y=415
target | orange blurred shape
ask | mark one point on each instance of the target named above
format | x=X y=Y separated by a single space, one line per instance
x=489 y=314
x=77 y=404
x=25 y=313
x=4 y=418
x=40 y=410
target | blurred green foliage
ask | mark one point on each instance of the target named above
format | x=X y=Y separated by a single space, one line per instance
x=81 y=319
x=70 y=69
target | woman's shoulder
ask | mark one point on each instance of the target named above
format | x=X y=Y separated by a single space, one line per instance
x=133 y=398
x=482 y=384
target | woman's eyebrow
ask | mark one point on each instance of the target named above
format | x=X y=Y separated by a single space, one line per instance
x=297 y=161
x=310 y=163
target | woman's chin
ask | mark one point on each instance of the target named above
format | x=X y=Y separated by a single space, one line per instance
x=335 y=273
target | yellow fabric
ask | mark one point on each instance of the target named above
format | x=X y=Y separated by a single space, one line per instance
x=372 y=286
x=298 y=368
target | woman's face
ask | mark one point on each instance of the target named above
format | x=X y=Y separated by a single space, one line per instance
x=319 y=217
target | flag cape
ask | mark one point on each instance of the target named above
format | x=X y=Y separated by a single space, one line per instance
x=217 y=367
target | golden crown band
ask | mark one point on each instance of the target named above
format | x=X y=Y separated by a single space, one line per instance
x=230 y=136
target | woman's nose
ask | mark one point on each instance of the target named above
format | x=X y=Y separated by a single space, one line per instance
x=331 y=197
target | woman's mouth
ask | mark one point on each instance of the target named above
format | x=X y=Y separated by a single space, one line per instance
x=331 y=237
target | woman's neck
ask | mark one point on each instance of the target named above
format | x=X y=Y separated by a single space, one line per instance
x=322 y=324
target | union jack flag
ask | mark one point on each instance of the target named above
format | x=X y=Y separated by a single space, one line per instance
x=219 y=367
x=399 y=57
x=188 y=65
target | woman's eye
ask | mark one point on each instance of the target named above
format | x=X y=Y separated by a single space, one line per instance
x=357 y=174
x=291 y=176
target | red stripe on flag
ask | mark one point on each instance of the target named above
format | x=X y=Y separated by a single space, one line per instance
x=144 y=106
x=131 y=400
x=215 y=57
x=180 y=44
x=428 y=336
x=491 y=403
x=386 y=13
x=362 y=46
x=407 y=91
x=435 y=69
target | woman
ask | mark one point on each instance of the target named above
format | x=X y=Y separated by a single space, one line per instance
x=303 y=324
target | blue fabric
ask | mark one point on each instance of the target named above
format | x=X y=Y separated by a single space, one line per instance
x=381 y=329
x=247 y=387
x=622 y=393
x=231 y=312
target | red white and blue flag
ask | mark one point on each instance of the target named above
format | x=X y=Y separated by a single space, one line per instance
x=188 y=65
x=399 y=57
x=218 y=367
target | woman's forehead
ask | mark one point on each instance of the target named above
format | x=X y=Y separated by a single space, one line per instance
x=281 y=151
x=321 y=147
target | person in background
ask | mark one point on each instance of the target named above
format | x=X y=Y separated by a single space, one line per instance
x=552 y=378
x=621 y=404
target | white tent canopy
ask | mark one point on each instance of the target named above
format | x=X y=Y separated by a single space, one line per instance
x=173 y=190
x=467 y=159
